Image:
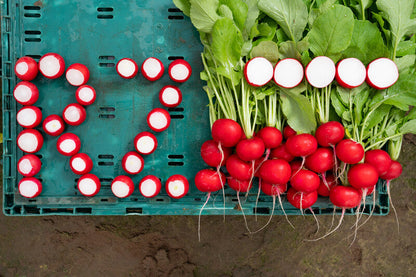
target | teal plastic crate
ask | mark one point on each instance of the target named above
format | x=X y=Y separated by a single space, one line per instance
x=98 y=34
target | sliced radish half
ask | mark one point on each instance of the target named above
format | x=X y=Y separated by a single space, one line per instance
x=158 y=120
x=127 y=68
x=145 y=143
x=320 y=72
x=77 y=74
x=288 y=73
x=122 y=186
x=170 y=96
x=85 y=95
x=29 y=165
x=89 y=185
x=30 y=141
x=81 y=163
x=177 y=186
x=26 y=93
x=29 y=117
x=132 y=163
x=382 y=73
x=150 y=186
x=68 y=144
x=26 y=68
x=351 y=73
x=53 y=125
x=74 y=114
x=52 y=65
x=258 y=71
x=180 y=71
x=152 y=69
x=30 y=187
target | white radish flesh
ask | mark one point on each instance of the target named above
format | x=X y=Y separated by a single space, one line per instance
x=127 y=68
x=74 y=114
x=30 y=140
x=288 y=73
x=68 y=144
x=152 y=69
x=177 y=186
x=30 y=187
x=81 y=163
x=132 y=163
x=77 y=74
x=145 y=143
x=258 y=71
x=170 y=96
x=26 y=93
x=29 y=117
x=320 y=72
x=89 y=185
x=351 y=73
x=150 y=186
x=52 y=65
x=53 y=125
x=382 y=73
x=29 y=165
x=180 y=70
x=122 y=186
x=158 y=120
x=85 y=95
x=26 y=68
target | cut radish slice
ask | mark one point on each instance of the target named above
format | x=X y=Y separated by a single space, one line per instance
x=53 y=125
x=320 y=72
x=30 y=140
x=145 y=143
x=132 y=163
x=127 y=68
x=26 y=93
x=52 y=65
x=382 y=73
x=30 y=187
x=77 y=74
x=122 y=186
x=258 y=71
x=158 y=120
x=29 y=117
x=150 y=186
x=74 y=114
x=152 y=69
x=26 y=68
x=81 y=163
x=68 y=144
x=29 y=165
x=170 y=96
x=288 y=73
x=180 y=71
x=351 y=73
x=89 y=185
x=177 y=186
x=85 y=95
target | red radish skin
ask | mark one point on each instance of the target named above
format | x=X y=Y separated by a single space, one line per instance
x=158 y=120
x=324 y=189
x=295 y=166
x=208 y=180
x=305 y=181
x=26 y=93
x=177 y=186
x=275 y=171
x=362 y=176
x=380 y=159
x=345 y=197
x=89 y=185
x=288 y=73
x=320 y=72
x=26 y=68
x=281 y=153
x=170 y=96
x=350 y=73
x=30 y=187
x=250 y=149
x=271 y=136
x=370 y=190
x=132 y=163
x=211 y=154
x=145 y=143
x=273 y=190
x=301 y=145
x=321 y=160
x=288 y=132
x=77 y=74
x=29 y=165
x=68 y=144
x=85 y=95
x=81 y=163
x=30 y=141
x=74 y=114
x=52 y=65
x=179 y=71
x=53 y=125
x=329 y=133
x=394 y=171
x=227 y=132
x=127 y=68
x=349 y=151
x=382 y=73
x=122 y=186
x=301 y=200
x=238 y=168
x=238 y=185
x=152 y=69
x=150 y=186
x=29 y=117
x=258 y=71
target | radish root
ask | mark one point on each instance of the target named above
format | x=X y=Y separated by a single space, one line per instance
x=242 y=211
x=270 y=218
x=394 y=209
x=219 y=175
x=199 y=217
x=336 y=228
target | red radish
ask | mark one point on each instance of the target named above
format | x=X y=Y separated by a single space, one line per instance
x=258 y=71
x=321 y=160
x=329 y=133
x=324 y=189
x=30 y=141
x=362 y=176
x=276 y=171
x=320 y=72
x=26 y=69
x=85 y=95
x=152 y=69
x=295 y=166
x=301 y=200
x=281 y=153
x=30 y=187
x=238 y=168
x=370 y=191
x=81 y=163
x=68 y=144
x=145 y=143
x=351 y=73
x=29 y=165
x=239 y=186
x=127 y=68
x=349 y=151
x=208 y=180
x=271 y=136
x=227 y=132
x=150 y=186
x=132 y=163
x=212 y=155
x=89 y=185
x=180 y=71
x=177 y=186
x=301 y=145
x=29 y=117
x=53 y=125
x=288 y=73
x=74 y=114
x=158 y=120
x=77 y=74
x=26 y=93
x=170 y=96
x=122 y=186
x=288 y=132
x=379 y=159
x=305 y=181
x=52 y=65
x=382 y=73
x=250 y=149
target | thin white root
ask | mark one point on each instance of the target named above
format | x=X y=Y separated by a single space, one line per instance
x=270 y=218
x=336 y=228
x=372 y=210
x=323 y=176
x=251 y=178
x=333 y=217
x=284 y=212
x=257 y=200
x=219 y=175
x=394 y=209
x=199 y=217
x=316 y=219
x=242 y=211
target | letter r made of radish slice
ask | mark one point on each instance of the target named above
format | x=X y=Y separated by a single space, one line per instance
x=158 y=120
x=180 y=71
x=127 y=68
x=122 y=186
x=177 y=186
x=351 y=73
x=152 y=69
x=29 y=165
x=132 y=163
x=288 y=73
x=258 y=71
x=26 y=93
x=77 y=74
x=53 y=125
x=68 y=144
x=74 y=114
x=145 y=143
x=52 y=65
x=170 y=96
x=30 y=141
x=81 y=163
x=320 y=72
x=150 y=186
x=382 y=73
x=29 y=117
x=26 y=69
x=30 y=187
x=85 y=95
x=89 y=185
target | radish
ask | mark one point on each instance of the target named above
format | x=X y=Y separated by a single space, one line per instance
x=170 y=96
x=382 y=73
x=177 y=186
x=329 y=133
x=26 y=69
x=26 y=93
x=238 y=168
x=145 y=143
x=85 y=95
x=321 y=160
x=122 y=186
x=350 y=73
x=30 y=187
x=77 y=74
x=158 y=120
x=30 y=141
x=281 y=153
x=238 y=185
x=305 y=181
x=89 y=185
x=258 y=71
x=29 y=117
x=362 y=176
x=379 y=159
x=81 y=163
x=301 y=200
x=212 y=155
x=295 y=166
x=276 y=171
x=271 y=136
x=74 y=114
x=53 y=125
x=349 y=151
x=150 y=186
x=68 y=144
x=324 y=189
x=288 y=73
x=52 y=65
x=320 y=72
x=152 y=69
x=227 y=132
x=250 y=149
x=179 y=71
x=132 y=163
x=29 y=165
x=127 y=68
x=288 y=132
x=301 y=145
